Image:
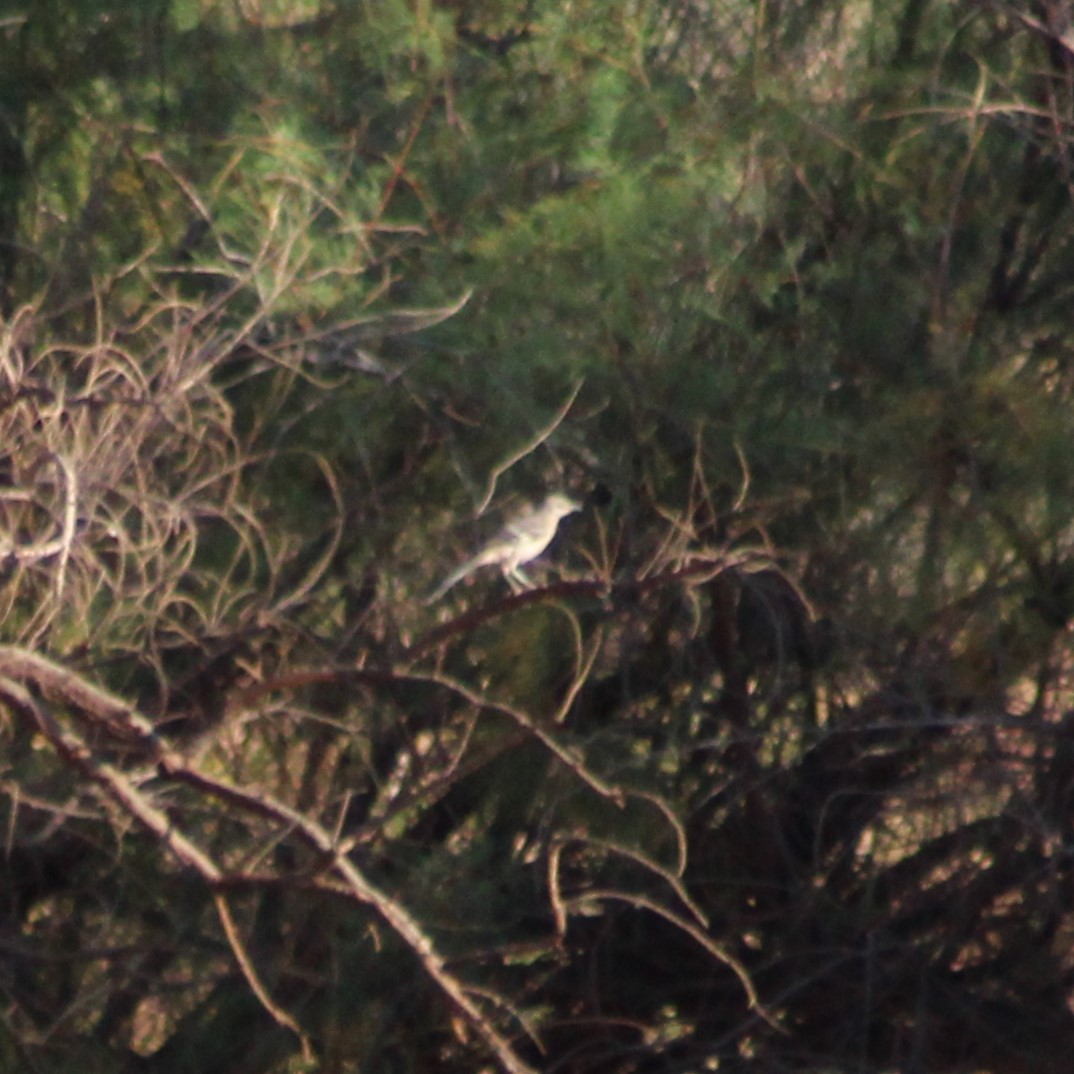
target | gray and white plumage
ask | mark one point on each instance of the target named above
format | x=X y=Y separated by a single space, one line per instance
x=524 y=537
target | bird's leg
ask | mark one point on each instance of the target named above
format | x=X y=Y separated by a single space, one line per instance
x=517 y=580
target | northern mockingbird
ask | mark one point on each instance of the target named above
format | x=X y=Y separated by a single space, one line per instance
x=524 y=537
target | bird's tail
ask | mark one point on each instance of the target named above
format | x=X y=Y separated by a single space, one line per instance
x=459 y=573
x=452 y=579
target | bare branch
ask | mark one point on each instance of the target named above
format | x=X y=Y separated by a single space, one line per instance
x=528 y=447
x=75 y=750
x=700 y=937
x=102 y=707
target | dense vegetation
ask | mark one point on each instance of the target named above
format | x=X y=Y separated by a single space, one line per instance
x=774 y=768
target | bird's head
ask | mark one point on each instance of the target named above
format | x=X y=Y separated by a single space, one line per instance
x=561 y=505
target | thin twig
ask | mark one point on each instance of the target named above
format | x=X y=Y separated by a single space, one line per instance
x=531 y=445
x=564 y=754
x=696 y=934
x=70 y=519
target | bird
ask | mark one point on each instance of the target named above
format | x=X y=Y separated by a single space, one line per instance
x=524 y=537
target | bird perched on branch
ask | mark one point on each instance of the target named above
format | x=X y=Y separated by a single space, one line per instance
x=523 y=538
